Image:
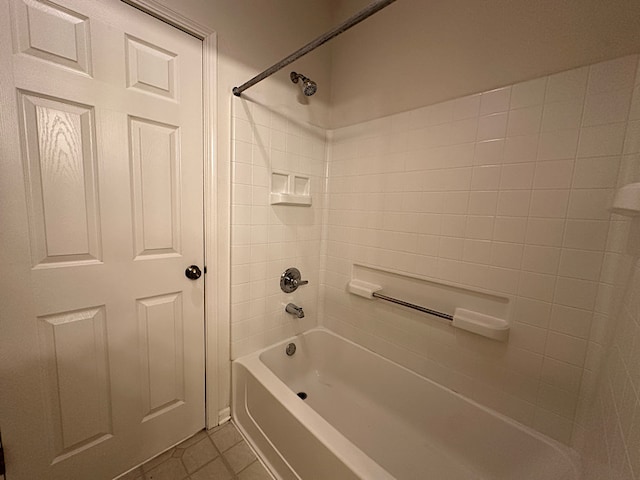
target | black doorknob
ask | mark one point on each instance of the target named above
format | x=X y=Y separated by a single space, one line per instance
x=192 y=272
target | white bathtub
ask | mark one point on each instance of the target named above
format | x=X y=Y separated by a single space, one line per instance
x=369 y=418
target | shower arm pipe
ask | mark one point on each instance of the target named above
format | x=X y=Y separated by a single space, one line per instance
x=343 y=27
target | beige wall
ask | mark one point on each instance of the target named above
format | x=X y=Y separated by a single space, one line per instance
x=418 y=52
x=252 y=35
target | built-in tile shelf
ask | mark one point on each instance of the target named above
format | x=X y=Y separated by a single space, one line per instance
x=290 y=189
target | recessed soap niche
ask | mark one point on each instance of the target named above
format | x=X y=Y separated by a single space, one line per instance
x=290 y=189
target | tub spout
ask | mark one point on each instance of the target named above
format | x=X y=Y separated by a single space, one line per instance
x=294 y=310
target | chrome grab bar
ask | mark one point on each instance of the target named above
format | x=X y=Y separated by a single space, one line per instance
x=435 y=313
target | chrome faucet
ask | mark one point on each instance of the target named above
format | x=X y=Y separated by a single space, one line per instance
x=294 y=310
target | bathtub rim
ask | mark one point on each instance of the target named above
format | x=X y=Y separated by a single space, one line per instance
x=301 y=410
x=346 y=451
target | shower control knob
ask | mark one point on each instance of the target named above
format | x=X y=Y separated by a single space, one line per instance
x=193 y=272
x=291 y=280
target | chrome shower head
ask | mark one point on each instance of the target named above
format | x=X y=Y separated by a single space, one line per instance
x=309 y=87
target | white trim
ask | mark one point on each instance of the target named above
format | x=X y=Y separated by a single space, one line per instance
x=224 y=415
x=172 y=17
x=217 y=358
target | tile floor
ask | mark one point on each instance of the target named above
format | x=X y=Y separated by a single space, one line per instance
x=217 y=454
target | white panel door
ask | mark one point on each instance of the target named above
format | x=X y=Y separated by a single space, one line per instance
x=101 y=186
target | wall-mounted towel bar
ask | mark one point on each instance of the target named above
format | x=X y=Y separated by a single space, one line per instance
x=412 y=305
x=475 y=322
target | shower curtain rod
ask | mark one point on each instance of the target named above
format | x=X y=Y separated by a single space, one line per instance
x=343 y=27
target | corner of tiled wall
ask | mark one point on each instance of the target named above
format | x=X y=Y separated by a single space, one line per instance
x=608 y=431
x=507 y=191
x=267 y=239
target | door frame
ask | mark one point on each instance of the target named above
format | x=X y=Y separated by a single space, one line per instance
x=216 y=225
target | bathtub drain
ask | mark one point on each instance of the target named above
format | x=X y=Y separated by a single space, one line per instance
x=302 y=395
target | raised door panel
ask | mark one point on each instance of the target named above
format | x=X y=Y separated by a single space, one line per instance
x=161 y=333
x=150 y=68
x=155 y=174
x=60 y=164
x=74 y=356
x=53 y=33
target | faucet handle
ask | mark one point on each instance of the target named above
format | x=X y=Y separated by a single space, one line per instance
x=291 y=279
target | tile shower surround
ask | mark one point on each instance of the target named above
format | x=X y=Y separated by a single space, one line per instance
x=506 y=191
x=266 y=239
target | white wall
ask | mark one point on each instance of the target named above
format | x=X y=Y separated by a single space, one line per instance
x=418 y=52
x=506 y=191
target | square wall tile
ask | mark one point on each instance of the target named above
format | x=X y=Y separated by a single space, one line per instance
x=528 y=93
x=576 y=293
x=562 y=116
x=590 y=204
x=561 y=144
x=602 y=140
x=524 y=121
x=596 y=172
x=572 y=321
x=492 y=126
x=553 y=174
x=523 y=148
x=537 y=286
x=545 y=231
x=489 y=152
x=549 y=203
x=567 y=86
x=510 y=229
x=541 y=259
x=608 y=107
x=495 y=101
x=580 y=264
x=517 y=176
x=586 y=234
x=613 y=74
x=514 y=203
x=566 y=348
x=561 y=375
x=486 y=177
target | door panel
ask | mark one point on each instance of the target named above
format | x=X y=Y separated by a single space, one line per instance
x=156 y=187
x=161 y=353
x=60 y=166
x=77 y=377
x=53 y=33
x=101 y=189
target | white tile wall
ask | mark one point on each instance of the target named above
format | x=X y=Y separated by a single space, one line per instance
x=608 y=433
x=506 y=191
x=266 y=239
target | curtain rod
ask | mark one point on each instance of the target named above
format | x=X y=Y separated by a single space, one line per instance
x=343 y=27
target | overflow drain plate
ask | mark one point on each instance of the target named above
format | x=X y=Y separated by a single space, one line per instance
x=302 y=395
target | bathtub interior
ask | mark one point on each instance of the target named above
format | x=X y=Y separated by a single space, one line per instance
x=406 y=422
